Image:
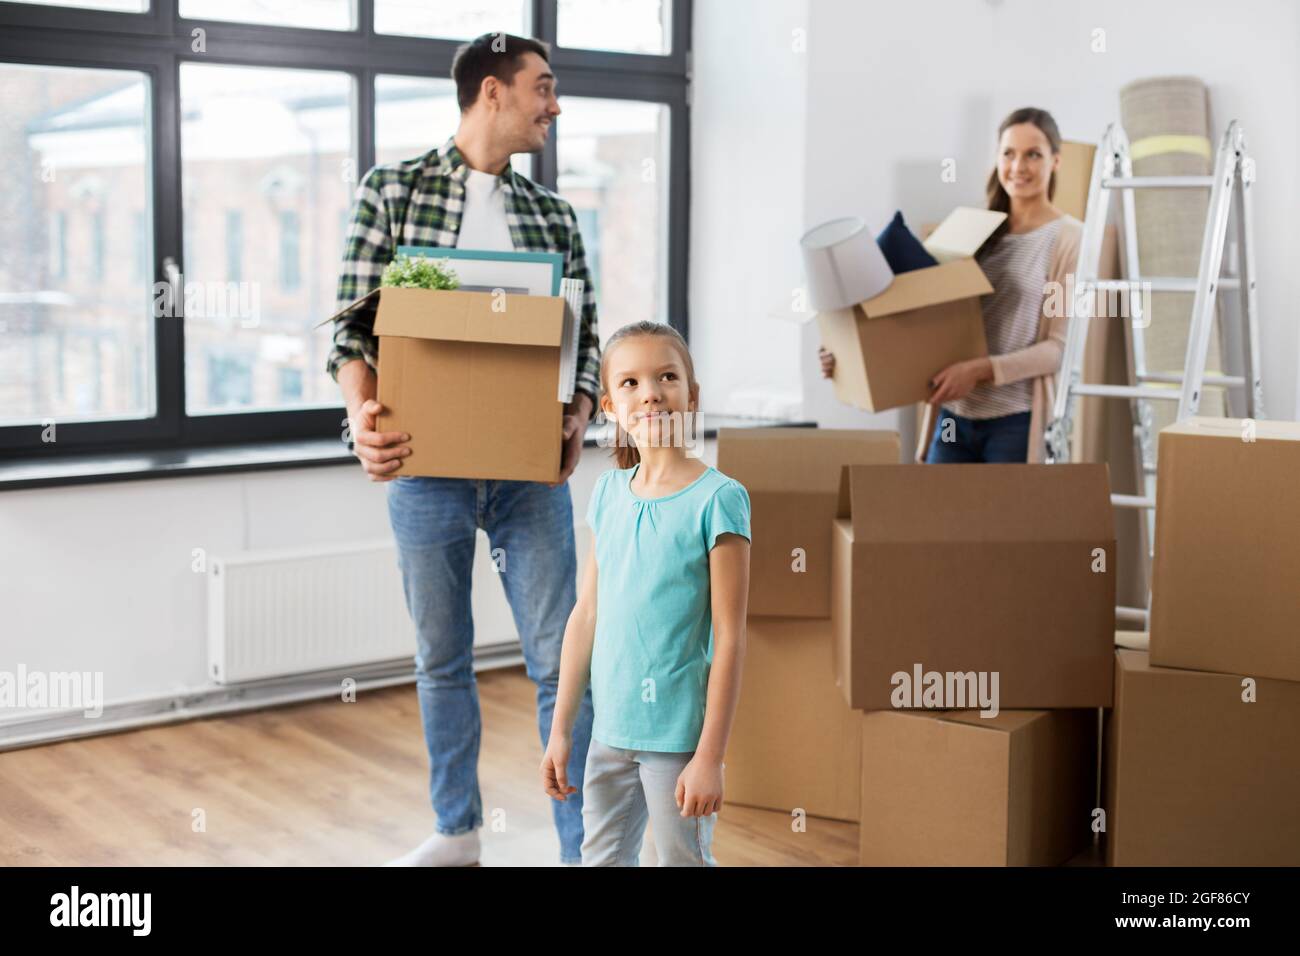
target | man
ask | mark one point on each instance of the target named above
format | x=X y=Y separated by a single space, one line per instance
x=464 y=193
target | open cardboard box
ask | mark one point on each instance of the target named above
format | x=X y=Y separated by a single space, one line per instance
x=474 y=383
x=888 y=347
x=1006 y=569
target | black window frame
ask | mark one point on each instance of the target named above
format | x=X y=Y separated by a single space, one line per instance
x=157 y=42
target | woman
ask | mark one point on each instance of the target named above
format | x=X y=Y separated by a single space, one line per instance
x=995 y=408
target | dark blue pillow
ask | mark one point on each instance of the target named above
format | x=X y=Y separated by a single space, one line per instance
x=903 y=251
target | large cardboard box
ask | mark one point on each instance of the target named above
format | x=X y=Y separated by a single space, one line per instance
x=794 y=744
x=1225 y=589
x=475 y=385
x=887 y=348
x=975 y=569
x=1194 y=774
x=958 y=789
x=793 y=479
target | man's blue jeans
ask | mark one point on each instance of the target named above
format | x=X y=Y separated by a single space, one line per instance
x=1002 y=439
x=530 y=530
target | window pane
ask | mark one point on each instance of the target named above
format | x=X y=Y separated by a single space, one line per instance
x=413 y=114
x=613 y=168
x=318 y=14
x=117 y=6
x=267 y=172
x=462 y=20
x=625 y=26
x=76 y=336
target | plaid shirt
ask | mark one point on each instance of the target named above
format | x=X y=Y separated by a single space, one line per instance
x=419 y=202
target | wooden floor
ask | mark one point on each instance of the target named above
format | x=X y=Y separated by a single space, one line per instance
x=319 y=784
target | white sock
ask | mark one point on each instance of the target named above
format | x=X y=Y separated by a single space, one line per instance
x=442 y=850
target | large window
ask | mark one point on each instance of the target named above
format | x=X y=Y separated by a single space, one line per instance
x=266 y=159
x=74 y=314
x=181 y=174
x=613 y=168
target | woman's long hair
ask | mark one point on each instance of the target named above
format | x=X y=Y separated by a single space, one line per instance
x=625 y=452
x=998 y=199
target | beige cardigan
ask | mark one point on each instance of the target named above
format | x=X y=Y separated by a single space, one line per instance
x=1042 y=360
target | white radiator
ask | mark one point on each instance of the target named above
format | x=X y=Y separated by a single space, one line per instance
x=277 y=613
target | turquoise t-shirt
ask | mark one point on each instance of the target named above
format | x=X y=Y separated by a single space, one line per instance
x=654 y=619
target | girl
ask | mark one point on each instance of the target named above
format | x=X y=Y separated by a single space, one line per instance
x=995 y=408
x=658 y=629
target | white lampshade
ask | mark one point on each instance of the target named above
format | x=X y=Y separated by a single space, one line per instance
x=843 y=264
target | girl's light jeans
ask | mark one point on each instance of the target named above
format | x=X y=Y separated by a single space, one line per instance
x=623 y=789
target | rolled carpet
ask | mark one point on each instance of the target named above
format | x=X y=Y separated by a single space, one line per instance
x=1168 y=125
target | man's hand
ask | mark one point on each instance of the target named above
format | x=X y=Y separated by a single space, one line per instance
x=576 y=416
x=381 y=453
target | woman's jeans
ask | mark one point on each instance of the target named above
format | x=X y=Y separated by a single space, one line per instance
x=624 y=789
x=530 y=531
x=1002 y=439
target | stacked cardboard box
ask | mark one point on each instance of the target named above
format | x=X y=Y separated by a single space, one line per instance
x=795 y=744
x=946 y=579
x=1203 y=744
x=958 y=789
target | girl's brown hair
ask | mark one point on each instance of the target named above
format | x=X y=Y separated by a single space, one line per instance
x=625 y=452
x=998 y=199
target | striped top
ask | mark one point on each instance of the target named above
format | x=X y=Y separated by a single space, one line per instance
x=1017 y=268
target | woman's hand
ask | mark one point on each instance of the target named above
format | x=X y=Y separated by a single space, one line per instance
x=554 y=769
x=957 y=380
x=699 y=787
x=828 y=362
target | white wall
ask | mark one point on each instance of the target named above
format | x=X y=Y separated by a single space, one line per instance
x=99 y=577
x=887 y=91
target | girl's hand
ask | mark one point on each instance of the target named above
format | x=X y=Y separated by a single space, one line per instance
x=957 y=380
x=827 y=360
x=699 y=787
x=554 y=769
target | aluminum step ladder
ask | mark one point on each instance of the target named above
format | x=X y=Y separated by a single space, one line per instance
x=1112 y=170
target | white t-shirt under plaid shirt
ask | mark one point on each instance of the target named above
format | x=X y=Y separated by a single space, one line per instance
x=1016 y=266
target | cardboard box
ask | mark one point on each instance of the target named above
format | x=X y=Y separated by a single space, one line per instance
x=1196 y=776
x=1225 y=589
x=975 y=568
x=794 y=744
x=888 y=347
x=1073 y=177
x=474 y=385
x=793 y=479
x=958 y=789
